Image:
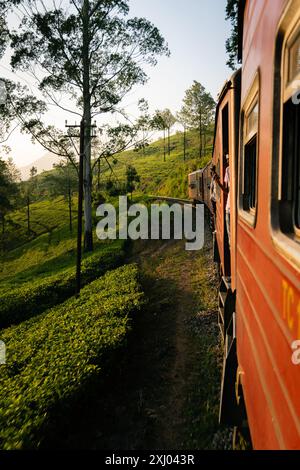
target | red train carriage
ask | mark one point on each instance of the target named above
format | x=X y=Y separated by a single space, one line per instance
x=260 y=291
x=195 y=185
x=268 y=223
x=199 y=184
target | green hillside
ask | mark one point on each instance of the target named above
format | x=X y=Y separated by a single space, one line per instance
x=167 y=178
x=41 y=318
x=50 y=247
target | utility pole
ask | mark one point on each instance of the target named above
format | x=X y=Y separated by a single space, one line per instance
x=80 y=197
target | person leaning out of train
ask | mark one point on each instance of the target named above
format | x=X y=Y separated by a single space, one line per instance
x=213 y=193
x=225 y=188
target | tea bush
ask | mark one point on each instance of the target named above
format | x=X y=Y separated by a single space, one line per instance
x=52 y=356
x=32 y=298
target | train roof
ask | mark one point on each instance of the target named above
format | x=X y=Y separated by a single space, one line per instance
x=195 y=172
x=201 y=169
x=227 y=86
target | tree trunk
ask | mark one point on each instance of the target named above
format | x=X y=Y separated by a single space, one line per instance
x=169 y=149
x=164 y=145
x=3 y=224
x=87 y=182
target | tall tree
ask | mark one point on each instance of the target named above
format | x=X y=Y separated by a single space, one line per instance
x=181 y=118
x=232 y=42
x=90 y=52
x=159 y=124
x=144 y=124
x=169 y=121
x=197 y=110
x=9 y=191
x=29 y=188
x=132 y=177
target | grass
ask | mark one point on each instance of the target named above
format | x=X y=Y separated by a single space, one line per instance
x=159 y=177
x=50 y=248
x=50 y=252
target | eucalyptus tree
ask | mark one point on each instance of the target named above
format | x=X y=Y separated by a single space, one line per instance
x=169 y=120
x=132 y=178
x=30 y=193
x=159 y=124
x=144 y=124
x=182 y=119
x=198 y=110
x=88 y=51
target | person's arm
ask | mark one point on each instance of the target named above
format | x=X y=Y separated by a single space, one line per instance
x=224 y=187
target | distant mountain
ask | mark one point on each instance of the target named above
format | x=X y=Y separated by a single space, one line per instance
x=44 y=163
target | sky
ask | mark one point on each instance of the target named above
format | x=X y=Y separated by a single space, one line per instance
x=196 y=32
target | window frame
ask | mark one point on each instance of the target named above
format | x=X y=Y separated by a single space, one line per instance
x=287 y=243
x=252 y=99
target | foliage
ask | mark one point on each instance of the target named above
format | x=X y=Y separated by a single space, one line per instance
x=32 y=298
x=232 y=42
x=114 y=188
x=168 y=118
x=198 y=111
x=63 y=182
x=9 y=190
x=132 y=177
x=198 y=106
x=92 y=54
x=164 y=121
x=53 y=357
x=164 y=178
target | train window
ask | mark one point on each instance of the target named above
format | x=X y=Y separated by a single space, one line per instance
x=285 y=201
x=290 y=184
x=289 y=194
x=250 y=157
x=225 y=131
x=294 y=59
x=249 y=154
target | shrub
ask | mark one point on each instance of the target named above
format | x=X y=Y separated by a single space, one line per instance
x=53 y=356
x=32 y=298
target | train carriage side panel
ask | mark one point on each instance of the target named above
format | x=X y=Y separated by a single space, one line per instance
x=192 y=186
x=226 y=143
x=268 y=252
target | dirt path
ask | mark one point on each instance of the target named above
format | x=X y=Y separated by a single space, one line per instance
x=166 y=391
